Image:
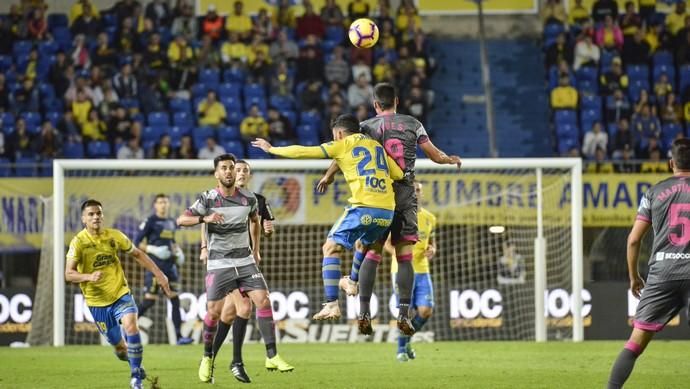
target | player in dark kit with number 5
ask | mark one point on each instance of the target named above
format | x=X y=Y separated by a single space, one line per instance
x=666 y=209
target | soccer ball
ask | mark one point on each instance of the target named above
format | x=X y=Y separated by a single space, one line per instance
x=363 y=33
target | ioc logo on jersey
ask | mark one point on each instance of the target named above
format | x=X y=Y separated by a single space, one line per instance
x=376 y=183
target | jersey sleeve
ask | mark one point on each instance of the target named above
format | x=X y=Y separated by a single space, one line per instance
x=143 y=232
x=333 y=150
x=422 y=136
x=74 y=251
x=199 y=207
x=123 y=242
x=299 y=152
x=644 y=211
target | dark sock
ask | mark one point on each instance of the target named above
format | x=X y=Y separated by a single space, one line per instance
x=176 y=317
x=367 y=278
x=418 y=322
x=145 y=305
x=404 y=280
x=210 y=327
x=624 y=365
x=264 y=317
x=239 y=330
x=223 y=329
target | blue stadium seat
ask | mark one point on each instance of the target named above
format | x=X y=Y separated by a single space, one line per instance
x=636 y=87
x=209 y=76
x=129 y=103
x=291 y=116
x=21 y=48
x=54 y=117
x=200 y=134
x=335 y=33
x=25 y=167
x=307 y=134
x=565 y=116
x=606 y=60
x=176 y=133
x=588 y=117
x=46 y=168
x=57 y=20
x=47 y=48
x=310 y=117
x=327 y=46
x=109 y=19
x=229 y=133
x=199 y=90
x=664 y=58
x=638 y=72
x=180 y=105
x=566 y=144
x=235 y=116
x=230 y=89
x=63 y=37
x=565 y=130
x=32 y=119
x=5 y=167
x=234 y=147
x=587 y=87
x=281 y=103
x=46 y=90
x=283 y=143
x=7 y=120
x=183 y=119
x=684 y=72
x=591 y=102
x=98 y=149
x=256 y=153
x=5 y=63
x=612 y=129
x=73 y=150
x=552 y=30
x=669 y=70
x=152 y=133
x=158 y=119
x=234 y=75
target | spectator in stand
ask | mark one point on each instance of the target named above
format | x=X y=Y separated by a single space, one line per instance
x=153 y=94
x=285 y=16
x=652 y=145
x=163 y=149
x=212 y=24
x=131 y=150
x=415 y=104
x=37 y=26
x=644 y=100
x=125 y=9
x=675 y=21
x=263 y=25
x=93 y=128
x=383 y=71
x=361 y=112
x=647 y=10
x=579 y=13
x=682 y=35
x=279 y=127
x=258 y=45
x=81 y=84
x=564 y=96
x=119 y=126
x=26 y=98
x=154 y=56
x=4 y=95
x=104 y=55
x=20 y=141
x=127 y=37
x=60 y=73
x=282 y=82
x=31 y=65
x=8 y=39
x=186 y=24
x=586 y=52
x=254 y=125
x=670 y=111
x=609 y=36
x=360 y=93
x=87 y=24
x=211 y=111
x=559 y=51
x=683 y=51
x=284 y=49
x=655 y=164
x=384 y=17
x=311 y=98
x=603 y=8
x=636 y=50
x=207 y=55
x=337 y=69
x=81 y=57
x=614 y=79
x=332 y=15
x=357 y=9
x=110 y=101
x=617 y=107
x=310 y=23
x=234 y=51
x=238 y=22
x=17 y=22
x=124 y=82
x=553 y=12
x=662 y=88
x=622 y=139
x=48 y=145
x=626 y=164
x=259 y=69
x=158 y=11
x=644 y=125
x=182 y=64
x=310 y=65
x=185 y=150
x=629 y=22
x=80 y=7
x=408 y=20
x=211 y=149
x=334 y=110
x=600 y=164
x=594 y=140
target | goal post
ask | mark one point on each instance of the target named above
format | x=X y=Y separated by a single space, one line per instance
x=533 y=171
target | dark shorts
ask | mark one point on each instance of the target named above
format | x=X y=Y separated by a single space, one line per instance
x=404 y=226
x=169 y=268
x=660 y=302
x=220 y=282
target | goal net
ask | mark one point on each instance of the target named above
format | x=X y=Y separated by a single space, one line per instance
x=508 y=262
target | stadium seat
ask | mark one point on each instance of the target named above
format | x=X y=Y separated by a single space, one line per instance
x=129 y=103
x=565 y=116
x=200 y=134
x=158 y=119
x=7 y=120
x=152 y=133
x=46 y=168
x=281 y=103
x=256 y=153
x=234 y=75
x=283 y=143
x=591 y=102
x=230 y=89
x=551 y=31
x=587 y=87
x=183 y=118
x=32 y=119
x=46 y=90
x=636 y=87
x=291 y=116
x=209 y=76
x=310 y=117
x=606 y=60
x=109 y=19
x=637 y=72
x=63 y=37
x=229 y=133
x=307 y=134
x=327 y=46
x=25 y=167
x=663 y=58
x=47 y=48
x=199 y=90
x=5 y=63
x=57 y=20
x=566 y=144
x=588 y=117
x=53 y=116
x=684 y=72
x=254 y=90
x=234 y=147
x=566 y=130
x=235 y=116
x=5 y=167
x=21 y=48
x=176 y=133
x=73 y=150
x=335 y=33
x=98 y=149
x=180 y=105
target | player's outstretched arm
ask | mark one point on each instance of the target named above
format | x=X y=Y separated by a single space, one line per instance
x=189 y=220
x=438 y=156
x=639 y=229
x=145 y=261
x=294 y=151
x=73 y=275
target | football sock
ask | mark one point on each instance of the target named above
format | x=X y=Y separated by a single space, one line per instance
x=402 y=343
x=176 y=317
x=624 y=365
x=330 y=269
x=239 y=330
x=418 y=322
x=264 y=316
x=367 y=278
x=404 y=280
x=135 y=353
x=221 y=334
x=356 y=264
x=145 y=305
x=210 y=327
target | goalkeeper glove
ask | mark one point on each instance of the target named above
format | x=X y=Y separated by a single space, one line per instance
x=160 y=252
x=179 y=256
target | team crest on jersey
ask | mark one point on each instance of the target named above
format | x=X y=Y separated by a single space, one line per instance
x=244 y=201
x=112 y=243
x=365 y=220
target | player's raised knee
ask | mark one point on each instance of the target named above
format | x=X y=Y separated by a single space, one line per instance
x=330 y=248
x=425 y=312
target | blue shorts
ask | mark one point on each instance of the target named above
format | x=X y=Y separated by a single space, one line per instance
x=169 y=268
x=422 y=290
x=367 y=225
x=108 y=318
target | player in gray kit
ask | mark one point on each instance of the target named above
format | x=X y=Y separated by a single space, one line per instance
x=666 y=209
x=400 y=135
x=231 y=264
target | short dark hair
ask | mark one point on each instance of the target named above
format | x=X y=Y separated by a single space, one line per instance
x=160 y=196
x=680 y=152
x=239 y=161
x=385 y=95
x=347 y=122
x=223 y=157
x=90 y=203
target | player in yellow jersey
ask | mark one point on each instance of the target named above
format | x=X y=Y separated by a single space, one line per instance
x=93 y=263
x=422 y=290
x=369 y=173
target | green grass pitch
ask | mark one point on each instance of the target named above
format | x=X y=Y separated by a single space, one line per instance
x=329 y=366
